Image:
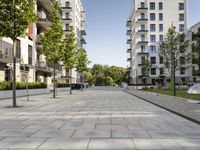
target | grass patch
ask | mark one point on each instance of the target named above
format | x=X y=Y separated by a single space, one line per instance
x=180 y=93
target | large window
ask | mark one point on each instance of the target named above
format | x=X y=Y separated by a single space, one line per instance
x=161 y=38
x=181 y=17
x=152 y=38
x=152 y=27
x=181 y=28
x=143 y=38
x=161 y=60
x=30 y=50
x=153 y=60
x=160 y=16
x=160 y=27
x=161 y=71
x=152 y=49
x=152 y=6
x=152 y=16
x=160 y=6
x=182 y=71
x=153 y=71
x=142 y=5
x=142 y=15
x=181 y=6
x=142 y=49
x=142 y=27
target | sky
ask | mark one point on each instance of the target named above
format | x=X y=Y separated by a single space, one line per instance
x=106 y=29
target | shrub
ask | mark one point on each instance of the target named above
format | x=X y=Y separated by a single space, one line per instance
x=5 y=85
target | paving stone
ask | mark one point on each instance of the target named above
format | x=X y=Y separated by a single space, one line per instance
x=17 y=132
x=111 y=127
x=92 y=134
x=65 y=143
x=111 y=144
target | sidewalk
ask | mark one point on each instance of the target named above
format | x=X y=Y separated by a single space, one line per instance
x=95 y=119
x=181 y=106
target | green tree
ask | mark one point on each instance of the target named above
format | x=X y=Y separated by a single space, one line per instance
x=82 y=64
x=51 y=40
x=88 y=77
x=69 y=54
x=146 y=66
x=196 y=48
x=175 y=53
x=15 y=16
x=109 y=81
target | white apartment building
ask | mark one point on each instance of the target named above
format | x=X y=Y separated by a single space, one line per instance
x=195 y=70
x=148 y=24
x=73 y=15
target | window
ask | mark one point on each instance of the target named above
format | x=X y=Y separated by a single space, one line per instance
x=182 y=60
x=160 y=6
x=160 y=16
x=67 y=15
x=152 y=16
x=153 y=71
x=181 y=28
x=142 y=38
x=152 y=27
x=182 y=70
x=143 y=71
x=142 y=16
x=160 y=27
x=161 y=71
x=181 y=6
x=161 y=38
x=152 y=6
x=67 y=4
x=142 y=60
x=30 y=54
x=152 y=38
x=142 y=27
x=142 y=5
x=161 y=60
x=181 y=17
x=152 y=49
x=142 y=49
x=153 y=60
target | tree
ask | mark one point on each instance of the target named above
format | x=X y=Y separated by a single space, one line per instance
x=146 y=66
x=196 y=48
x=69 y=54
x=88 y=77
x=52 y=40
x=175 y=53
x=15 y=16
x=82 y=64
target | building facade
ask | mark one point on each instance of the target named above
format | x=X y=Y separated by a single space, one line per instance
x=31 y=63
x=195 y=69
x=147 y=25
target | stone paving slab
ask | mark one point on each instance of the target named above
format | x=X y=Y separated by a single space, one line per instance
x=99 y=118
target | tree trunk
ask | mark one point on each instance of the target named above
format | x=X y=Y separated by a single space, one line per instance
x=81 y=82
x=71 y=81
x=54 y=80
x=174 y=73
x=14 y=74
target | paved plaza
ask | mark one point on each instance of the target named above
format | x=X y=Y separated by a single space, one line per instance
x=98 y=118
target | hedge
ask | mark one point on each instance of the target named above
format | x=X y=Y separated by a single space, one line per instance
x=6 y=85
x=62 y=85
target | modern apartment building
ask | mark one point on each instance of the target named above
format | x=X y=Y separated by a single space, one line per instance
x=30 y=59
x=148 y=24
x=195 y=70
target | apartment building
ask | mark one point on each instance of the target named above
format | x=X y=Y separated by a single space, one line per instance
x=73 y=15
x=192 y=35
x=148 y=24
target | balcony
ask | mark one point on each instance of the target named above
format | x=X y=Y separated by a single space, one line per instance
x=128 y=32
x=83 y=32
x=5 y=58
x=141 y=8
x=67 y=20
x=67 y=9
x=128 y=23
x=142 y=20
x=42 y=66
x=142 y=42
x=196 y=72
x=46 y=4
x=129 y=50
x=44 y=23
x=83 y=41
x=143 y=53
x=129 y=41
x=129 y=59
x=142 y=31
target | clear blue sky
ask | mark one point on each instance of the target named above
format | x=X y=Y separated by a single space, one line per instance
x=106 y=28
